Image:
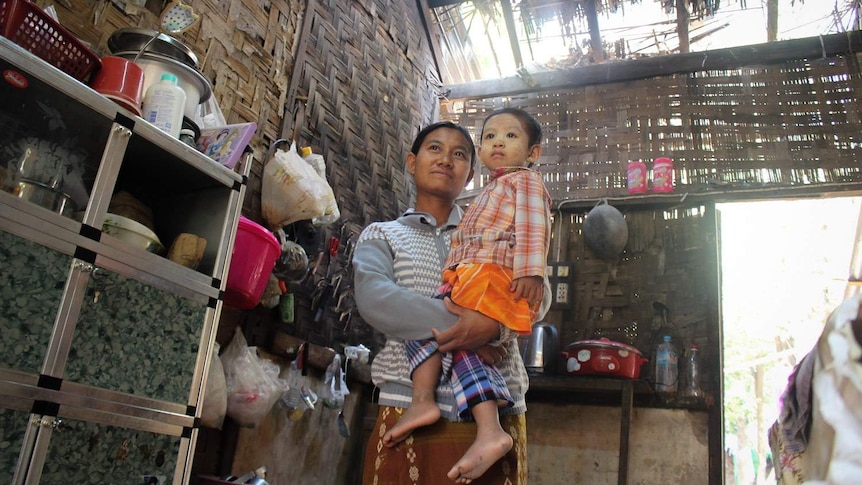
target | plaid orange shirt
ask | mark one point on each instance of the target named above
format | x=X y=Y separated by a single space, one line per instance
x=508 y=224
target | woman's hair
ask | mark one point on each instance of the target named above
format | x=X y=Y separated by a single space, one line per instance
x=444 y=124
x=534 y=130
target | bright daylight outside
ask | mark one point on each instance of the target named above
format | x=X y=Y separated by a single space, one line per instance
x=785 y=263
x=631 y=30
x=784 y=269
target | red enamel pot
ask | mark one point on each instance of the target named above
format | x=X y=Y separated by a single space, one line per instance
x=603 y=357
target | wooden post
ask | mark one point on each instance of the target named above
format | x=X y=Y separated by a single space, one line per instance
x=682 y=19
x=595 y=32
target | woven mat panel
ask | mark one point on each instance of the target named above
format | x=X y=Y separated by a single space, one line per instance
x=245 y=49
x=363 y=92
x=364 y=82
x=782 y=125
x=669 y=257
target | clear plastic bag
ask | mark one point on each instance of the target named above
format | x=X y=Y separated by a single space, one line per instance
x=253 y=386
x=291 y=190
x=215 y=400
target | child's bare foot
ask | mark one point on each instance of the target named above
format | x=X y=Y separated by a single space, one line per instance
x=417 y=415
x=484 y=452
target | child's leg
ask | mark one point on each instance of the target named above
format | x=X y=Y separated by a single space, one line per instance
x=423 y=409
x=491 y=444
x=479 y=389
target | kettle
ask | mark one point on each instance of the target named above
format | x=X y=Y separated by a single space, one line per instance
x=540 y=350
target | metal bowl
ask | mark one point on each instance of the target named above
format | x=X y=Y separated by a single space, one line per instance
x=134 y=39
x=45 y=196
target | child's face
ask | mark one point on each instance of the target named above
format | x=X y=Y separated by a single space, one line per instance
x=505 y=143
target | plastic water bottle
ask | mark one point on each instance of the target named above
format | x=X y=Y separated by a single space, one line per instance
x=164 y=104
x=692 y=373
x=666 y=367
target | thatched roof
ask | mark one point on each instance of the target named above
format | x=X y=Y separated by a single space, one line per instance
x=472 y=34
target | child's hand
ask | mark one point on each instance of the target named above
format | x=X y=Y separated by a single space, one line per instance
x=530 y=288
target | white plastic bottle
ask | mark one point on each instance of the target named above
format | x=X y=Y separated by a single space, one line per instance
x=666 y=367
x=317 y=162
x=164 y=103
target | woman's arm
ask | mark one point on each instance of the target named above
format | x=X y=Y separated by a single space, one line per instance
x=392 y=309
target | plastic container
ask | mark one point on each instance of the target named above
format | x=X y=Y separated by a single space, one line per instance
x=163 y=105
x=252 y=260
x=317 y=162
x=121 y=81
x=662 y=175
x=692 y=373
x=666 y=367
x=637 y=177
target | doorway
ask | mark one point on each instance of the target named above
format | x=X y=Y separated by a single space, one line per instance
x=784 y=267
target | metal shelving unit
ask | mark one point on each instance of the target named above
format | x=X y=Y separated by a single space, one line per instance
x=105 y=346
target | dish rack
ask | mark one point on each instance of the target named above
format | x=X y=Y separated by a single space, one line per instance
x=27 y=25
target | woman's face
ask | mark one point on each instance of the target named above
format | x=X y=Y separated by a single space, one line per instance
x=441 y=167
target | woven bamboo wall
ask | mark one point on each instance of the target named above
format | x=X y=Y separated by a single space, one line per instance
x=365 y=89
x=245 y=48
x=780 y=125
x=362 y=90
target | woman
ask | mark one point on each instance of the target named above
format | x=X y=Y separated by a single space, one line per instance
x=398 y=266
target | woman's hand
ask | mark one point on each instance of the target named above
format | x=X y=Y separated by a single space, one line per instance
x=471 y=331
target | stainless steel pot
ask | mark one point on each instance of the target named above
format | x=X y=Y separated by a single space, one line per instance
x=44 y=196
x=197 y=87
x=541 y=349
x=133 y=39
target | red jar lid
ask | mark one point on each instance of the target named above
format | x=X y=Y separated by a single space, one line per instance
x=603 y=343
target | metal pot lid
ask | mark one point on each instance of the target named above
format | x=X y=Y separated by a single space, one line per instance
x=603 y=343
x=201 y=82
x=135 y=38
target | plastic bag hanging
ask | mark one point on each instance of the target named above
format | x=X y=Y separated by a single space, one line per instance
x=291 y=190
x=335 y=384
x=253 y=385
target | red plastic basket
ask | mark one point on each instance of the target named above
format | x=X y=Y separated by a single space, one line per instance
x=25 y=24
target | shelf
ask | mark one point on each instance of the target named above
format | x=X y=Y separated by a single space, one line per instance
x=113 y=339
x=606 y=391
x=540 y=383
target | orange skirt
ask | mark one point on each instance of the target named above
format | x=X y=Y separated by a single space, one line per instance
x=485 y=288
x=428 y=453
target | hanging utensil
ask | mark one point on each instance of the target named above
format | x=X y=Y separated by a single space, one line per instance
x=176 y=18
x=340 y=385
x=342 y=425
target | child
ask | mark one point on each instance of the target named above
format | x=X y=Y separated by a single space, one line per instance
x=497 y=267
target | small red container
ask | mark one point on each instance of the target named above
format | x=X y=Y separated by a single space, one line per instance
x=662 y=175
x=254 y=254
x=637 y=177
x=603 y=357
x=121 y=81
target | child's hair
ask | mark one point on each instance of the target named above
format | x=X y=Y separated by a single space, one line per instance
x=534 y=130
x=444 y=124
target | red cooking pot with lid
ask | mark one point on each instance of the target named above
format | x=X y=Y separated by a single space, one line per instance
x=603 y=357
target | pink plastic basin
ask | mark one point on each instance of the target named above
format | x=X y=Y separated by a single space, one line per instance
x=254 y=254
